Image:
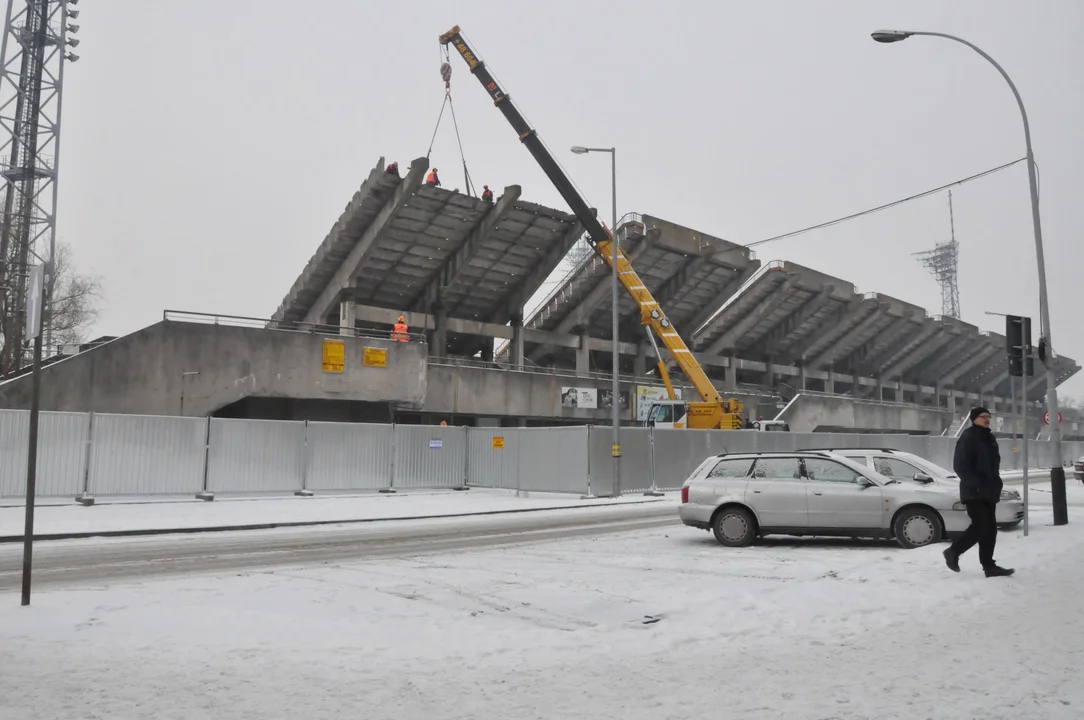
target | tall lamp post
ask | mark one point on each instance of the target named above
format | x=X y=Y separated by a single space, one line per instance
x=616 y=401
x=1057 y=472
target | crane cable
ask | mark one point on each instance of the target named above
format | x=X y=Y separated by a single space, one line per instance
x=446 y=75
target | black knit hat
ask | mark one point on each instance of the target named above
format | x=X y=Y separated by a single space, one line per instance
x=975 y=412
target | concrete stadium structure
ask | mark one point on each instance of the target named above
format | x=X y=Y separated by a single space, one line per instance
x=788 y=340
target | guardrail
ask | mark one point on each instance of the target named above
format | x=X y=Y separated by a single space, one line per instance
x=539 y=370
x=284 y=325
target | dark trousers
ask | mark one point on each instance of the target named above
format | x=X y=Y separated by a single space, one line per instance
x=982 y=530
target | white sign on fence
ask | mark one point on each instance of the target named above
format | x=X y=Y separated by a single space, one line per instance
x=436 y=444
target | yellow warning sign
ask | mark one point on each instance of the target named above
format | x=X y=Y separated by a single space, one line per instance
x=498 y=442
x=334 y=360
x=375 y=357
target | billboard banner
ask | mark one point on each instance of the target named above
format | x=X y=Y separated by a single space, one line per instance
x=579 y=397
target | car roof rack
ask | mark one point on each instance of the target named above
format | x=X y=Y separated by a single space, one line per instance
x=851 y=449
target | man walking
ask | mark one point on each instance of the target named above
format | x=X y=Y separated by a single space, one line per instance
x=977 y=463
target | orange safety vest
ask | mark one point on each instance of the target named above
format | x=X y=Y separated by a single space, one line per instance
x=399 y=332
x=432 y=178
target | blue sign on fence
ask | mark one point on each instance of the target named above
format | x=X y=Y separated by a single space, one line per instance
x=436 y=444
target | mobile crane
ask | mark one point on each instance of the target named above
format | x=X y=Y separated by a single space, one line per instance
x=712 y=411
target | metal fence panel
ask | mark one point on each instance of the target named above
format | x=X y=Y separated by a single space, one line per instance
x=348 y=456
x=679 y=452
x=62 y=453
x=554 y=459
x=146 y=455
x=255 y=455
x=430 y=456
x=635 y=460
x=492 y=457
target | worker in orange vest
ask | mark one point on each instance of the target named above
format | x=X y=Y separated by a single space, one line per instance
x=432 y=180
x=392 y=169
x=399 y=332
x=487 y=194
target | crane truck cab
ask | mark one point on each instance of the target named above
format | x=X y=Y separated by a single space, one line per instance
x=678 y=414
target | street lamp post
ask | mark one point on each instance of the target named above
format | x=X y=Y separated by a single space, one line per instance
x=615 y=403
x=1057 y=472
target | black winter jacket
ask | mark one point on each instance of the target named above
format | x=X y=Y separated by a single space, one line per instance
x=977 y=463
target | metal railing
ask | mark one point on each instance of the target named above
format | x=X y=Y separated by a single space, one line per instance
x=306 y=328
x=538 y=370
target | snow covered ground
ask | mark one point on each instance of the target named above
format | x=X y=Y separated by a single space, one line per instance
x=144 y=514
x=786 y=630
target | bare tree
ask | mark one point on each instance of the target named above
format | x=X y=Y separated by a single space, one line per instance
x=74 y=310
x=75 y=300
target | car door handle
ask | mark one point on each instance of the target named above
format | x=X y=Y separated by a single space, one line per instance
x=818 y=493
x=757 y=492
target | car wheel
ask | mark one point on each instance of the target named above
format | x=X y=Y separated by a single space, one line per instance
x=917 y=527
x=734 y=527
x=1009 y=525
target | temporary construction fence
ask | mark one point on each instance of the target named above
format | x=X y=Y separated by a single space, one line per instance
x=99 y=455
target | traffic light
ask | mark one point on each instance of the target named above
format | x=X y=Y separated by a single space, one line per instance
x=1018 y=346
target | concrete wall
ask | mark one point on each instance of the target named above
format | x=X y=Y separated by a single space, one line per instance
x=143 y=373
x=809 y=412
x=466 y=390
x=478 y=391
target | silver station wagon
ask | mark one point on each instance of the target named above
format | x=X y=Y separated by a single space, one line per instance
x=741 y=497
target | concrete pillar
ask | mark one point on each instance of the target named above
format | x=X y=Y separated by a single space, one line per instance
x=769 y=375
x=347 y=317
x=515 y=348
x=730 y=379
x=801 y=377
x=855 y=387
x=830 y=383
x=439 y=345
x=639 y=363
x=487 y=350
x=952 y=403
x=583 y=356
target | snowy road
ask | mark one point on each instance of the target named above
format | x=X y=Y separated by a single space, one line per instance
x=650 y=624
x=82 y=561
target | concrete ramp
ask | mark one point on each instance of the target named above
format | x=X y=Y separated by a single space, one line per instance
x=179 y=367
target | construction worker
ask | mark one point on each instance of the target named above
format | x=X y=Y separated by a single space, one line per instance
x=487 y=194
x=392 y=169
x=432 y=180
x=399 y=331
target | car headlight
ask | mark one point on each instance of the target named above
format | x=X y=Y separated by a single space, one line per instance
x=1010 y=495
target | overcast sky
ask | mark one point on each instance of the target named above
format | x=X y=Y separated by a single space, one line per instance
x=209 y=145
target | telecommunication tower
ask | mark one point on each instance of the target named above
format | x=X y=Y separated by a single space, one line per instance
x=33 y=52
x=943 y=262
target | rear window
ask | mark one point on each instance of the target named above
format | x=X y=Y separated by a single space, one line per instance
x=731 y=468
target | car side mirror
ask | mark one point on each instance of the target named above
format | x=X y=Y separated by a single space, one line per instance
x=863 y=481
x=922 y=478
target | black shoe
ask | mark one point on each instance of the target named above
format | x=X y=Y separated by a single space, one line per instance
x=952 y=560
x=996 y=571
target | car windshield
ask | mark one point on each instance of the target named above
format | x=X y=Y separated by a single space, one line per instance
x=932 y=468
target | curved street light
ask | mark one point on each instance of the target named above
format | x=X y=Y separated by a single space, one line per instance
x=1057 y=472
